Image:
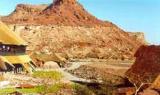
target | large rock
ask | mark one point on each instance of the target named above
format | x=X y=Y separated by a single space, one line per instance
x=147 y=65
x=51 y=65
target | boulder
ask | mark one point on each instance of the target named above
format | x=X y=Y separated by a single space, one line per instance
x=51 y=65
x=146 y=67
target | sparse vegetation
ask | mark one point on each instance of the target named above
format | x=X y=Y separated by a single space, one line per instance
x=55 y=75
x=52 y=88
x=81 y=90
x=39 y=89
x=24 y=90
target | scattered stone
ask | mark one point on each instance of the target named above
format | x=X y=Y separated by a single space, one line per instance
x=25 y=86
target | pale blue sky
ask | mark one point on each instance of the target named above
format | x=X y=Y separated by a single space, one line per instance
x=130 y=15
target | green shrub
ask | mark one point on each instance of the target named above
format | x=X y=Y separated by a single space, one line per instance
x=81 y=90
x=39 y=89
x=55 y=75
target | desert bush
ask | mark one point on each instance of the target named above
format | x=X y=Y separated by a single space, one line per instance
x=81 y=90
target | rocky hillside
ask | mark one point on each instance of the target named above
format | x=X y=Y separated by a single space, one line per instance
x=23 y=12
x=140 y=36
x=82 y=42
x=65 y=26
x=61 y=12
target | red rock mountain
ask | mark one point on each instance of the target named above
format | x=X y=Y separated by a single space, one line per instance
x=62 y=12
x=71 y=28
x=24 y=12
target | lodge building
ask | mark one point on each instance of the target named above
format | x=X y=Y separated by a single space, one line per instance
x=13 y=55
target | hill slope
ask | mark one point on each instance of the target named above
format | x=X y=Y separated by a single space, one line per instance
x=61 y=12
x=65 y=26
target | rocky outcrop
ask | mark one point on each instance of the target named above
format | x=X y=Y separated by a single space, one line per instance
x=23 y=12
x=146 y=66
x=74 y=14
x=139 y=36
x=60 y=12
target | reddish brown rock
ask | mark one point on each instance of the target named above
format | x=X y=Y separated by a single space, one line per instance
x=60 y=12
x=149 y=92
x=125 y=91
x=156 y=84
x=25 y=86
x=72 y=29
x=147 y=65
x=24 y=12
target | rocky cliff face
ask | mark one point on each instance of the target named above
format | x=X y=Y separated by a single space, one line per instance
x=60 y=12
x=140 y=36
x=23 y=12
x=65 y=26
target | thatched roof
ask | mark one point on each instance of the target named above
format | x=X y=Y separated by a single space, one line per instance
x=20 y=59
x=16 y=59
x=3 y=63
x=9 y=37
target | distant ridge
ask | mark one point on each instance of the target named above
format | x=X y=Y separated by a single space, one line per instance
x=61 y=12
